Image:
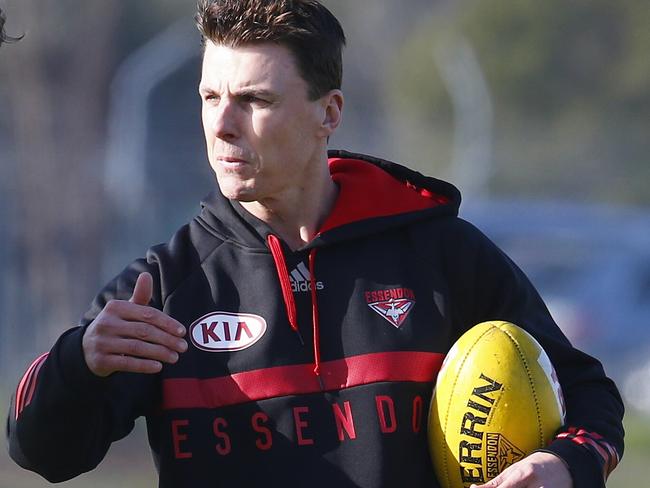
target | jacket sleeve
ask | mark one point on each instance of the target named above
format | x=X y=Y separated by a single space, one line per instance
x=62 y=417
x=487 y=285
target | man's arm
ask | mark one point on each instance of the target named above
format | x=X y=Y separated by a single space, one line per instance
x=487 y=285
x=88 y=390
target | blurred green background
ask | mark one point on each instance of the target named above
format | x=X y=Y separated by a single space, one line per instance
x=538 y=111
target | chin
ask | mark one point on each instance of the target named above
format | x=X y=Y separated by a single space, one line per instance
x=239 y=193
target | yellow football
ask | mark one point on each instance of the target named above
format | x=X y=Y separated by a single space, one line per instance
x=496 y=399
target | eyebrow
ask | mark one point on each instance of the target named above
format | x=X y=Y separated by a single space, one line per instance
x=204 y=90
x=257 y=92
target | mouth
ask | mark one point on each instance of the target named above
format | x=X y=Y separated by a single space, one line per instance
x=230 y=159
x=231 y=163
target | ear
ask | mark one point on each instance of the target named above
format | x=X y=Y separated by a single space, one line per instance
x=332 y=104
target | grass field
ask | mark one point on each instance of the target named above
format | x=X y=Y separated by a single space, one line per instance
x=129 y=462
x=633 y=467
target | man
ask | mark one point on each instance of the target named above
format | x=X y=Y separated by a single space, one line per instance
x=317 y=296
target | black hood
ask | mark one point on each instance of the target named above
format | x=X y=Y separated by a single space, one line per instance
x=375 y=195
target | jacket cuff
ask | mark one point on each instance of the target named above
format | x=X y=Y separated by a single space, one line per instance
x=585 y=469
x=72 y=365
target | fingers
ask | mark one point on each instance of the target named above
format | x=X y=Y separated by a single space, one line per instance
x=495 y=483
x=143 y=289
x=513 y=477
x=129 y=364
x=111 y=344
x=538 y=470
x=131 y=336
x=141 y=350
x=133 y=312
x=140 y=332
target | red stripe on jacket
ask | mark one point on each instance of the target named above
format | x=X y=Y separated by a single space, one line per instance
x=597 y=444
x=299 y=379
x=27 y=385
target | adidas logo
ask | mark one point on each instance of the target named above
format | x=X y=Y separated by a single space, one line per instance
x=301 y=279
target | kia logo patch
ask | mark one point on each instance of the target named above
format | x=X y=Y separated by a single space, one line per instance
x=226 y=331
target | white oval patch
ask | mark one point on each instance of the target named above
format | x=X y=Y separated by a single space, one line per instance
x=551 y=376
x=225 y=331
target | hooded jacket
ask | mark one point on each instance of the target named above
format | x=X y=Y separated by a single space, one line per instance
x=312 y=367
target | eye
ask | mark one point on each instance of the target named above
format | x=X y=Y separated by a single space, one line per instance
x=210 y=97
x=254 y=100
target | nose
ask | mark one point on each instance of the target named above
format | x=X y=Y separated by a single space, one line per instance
x=224 y=120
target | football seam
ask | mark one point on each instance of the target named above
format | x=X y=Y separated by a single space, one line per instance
x=530 y=382
x=451 y=396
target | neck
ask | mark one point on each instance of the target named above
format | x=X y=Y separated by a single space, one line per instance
x=298 y=213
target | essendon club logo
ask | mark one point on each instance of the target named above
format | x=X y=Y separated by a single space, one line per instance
x=501 y=453
x=225 y=331
x=393 y=304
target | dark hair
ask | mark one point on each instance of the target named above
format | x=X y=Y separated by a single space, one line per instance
x=311 y=33
x=4 y=37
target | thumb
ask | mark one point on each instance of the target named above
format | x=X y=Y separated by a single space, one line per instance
x=143 y=290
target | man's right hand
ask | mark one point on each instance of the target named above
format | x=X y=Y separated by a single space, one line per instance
x=132 y=336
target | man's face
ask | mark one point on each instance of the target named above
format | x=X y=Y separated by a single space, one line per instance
x=263 y=135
